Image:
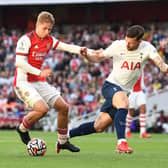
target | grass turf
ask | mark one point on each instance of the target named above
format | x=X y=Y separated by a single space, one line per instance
x=97 y=151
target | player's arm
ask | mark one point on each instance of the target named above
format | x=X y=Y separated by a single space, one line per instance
x=92 y=55
x=58 y=45
x=22 y=50
x=153 y=54
x=22 y=63
x=160 y=63
x=98 y=55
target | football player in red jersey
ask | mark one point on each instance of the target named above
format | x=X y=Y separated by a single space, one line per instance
x=30 y=80
x=137 y=100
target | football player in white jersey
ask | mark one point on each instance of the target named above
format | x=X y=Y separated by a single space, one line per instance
x=137 y=100
x=30 y=80
x=129 y=56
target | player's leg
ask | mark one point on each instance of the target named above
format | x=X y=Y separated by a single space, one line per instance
x=52 y=96
x=97 y=126
x=62 y=122
x=142 y=121
x=128 y=123
x=120 y=101
x=132 y=105
x=103 y=119
x=101 y=122
x=31 y=97
x=141 y=102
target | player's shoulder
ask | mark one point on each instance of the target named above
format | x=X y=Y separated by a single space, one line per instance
x=24 y=37
x=146 y=44
x=24 y=40
x=118 y=43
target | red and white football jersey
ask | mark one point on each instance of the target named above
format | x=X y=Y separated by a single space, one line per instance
x=35 y=49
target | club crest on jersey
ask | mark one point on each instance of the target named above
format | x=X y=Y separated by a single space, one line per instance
x=131 y=66
x=36 y=47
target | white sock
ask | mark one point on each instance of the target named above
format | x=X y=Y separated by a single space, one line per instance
x=22 y=128
x=62 y=138
x=62 y=135
x=128 y=122
x=121 y=140
x=142 y=120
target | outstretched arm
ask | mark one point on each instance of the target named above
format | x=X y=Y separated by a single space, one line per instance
x=161 y=64
x=93 y=55
x=69 y=48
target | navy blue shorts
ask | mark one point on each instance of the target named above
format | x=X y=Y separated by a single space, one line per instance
x=108 y=91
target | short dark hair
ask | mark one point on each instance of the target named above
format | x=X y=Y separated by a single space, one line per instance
x=135 y=31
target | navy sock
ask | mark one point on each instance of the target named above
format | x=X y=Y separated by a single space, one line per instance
x=83 y=129
x=120 y=121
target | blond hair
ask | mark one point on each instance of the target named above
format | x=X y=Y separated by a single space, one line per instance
x=45 y=17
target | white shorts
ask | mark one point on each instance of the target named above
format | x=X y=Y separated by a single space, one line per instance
x=30 y=93
x=137 y=99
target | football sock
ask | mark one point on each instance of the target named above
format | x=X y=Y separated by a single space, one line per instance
x=119 y=121
x=128 y=122
x=62 y=135
x=83 y=129
x=121 y=140
x=24 y=126
x=142 y=120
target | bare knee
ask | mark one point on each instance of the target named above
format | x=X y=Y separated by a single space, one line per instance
x=142 y=109
x=45 y=110
x=41 y=107
x=61 y=106
x=98 y=128
x=64 y=110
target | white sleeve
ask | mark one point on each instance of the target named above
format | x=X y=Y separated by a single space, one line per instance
x=22 y=63
x=22 y=50
x=111 y=50
x=55 y=43
x=69 y=48
x=152 y=52
x=23 y=46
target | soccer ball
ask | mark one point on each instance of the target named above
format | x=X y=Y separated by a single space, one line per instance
x=36 y=147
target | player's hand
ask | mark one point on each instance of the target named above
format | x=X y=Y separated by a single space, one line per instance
x=83 y=51
x=46 y=73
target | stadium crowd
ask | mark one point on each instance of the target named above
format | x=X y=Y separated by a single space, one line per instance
x=78 y=80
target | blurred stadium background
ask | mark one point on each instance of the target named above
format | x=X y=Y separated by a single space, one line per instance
x=91 y=23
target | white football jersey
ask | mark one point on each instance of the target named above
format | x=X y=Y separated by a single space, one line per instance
x=127 y=65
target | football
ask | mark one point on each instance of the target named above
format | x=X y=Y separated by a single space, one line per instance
x=36 y=147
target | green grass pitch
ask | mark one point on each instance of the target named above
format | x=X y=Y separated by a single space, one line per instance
x=97 y=151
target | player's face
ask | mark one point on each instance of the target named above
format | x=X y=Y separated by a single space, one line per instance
x=43 y=29
x=132 y=43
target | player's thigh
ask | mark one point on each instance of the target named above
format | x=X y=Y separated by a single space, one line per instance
x=102 y=122
x=27 y=93
x=120 y=100
x=115 y=94
x=49 y=93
